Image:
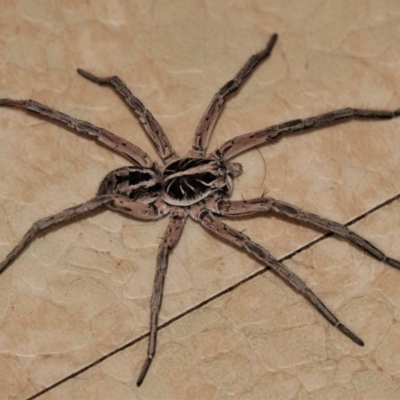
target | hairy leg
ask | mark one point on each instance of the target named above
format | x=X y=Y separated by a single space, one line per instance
x=169 y=241
x=116 y=143
x=153 y=129
x=214 y=109
x=238 y=239
x=263 y=204
x=49 y=222
x=270 y=134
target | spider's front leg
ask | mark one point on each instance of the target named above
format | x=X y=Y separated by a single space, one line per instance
x=150 y=124
x=270 y=134
x=214 y=109
x=170 y=239
x=238 y=239
x=266 y=204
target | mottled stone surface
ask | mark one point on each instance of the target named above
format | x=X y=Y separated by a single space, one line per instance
x=81 y=292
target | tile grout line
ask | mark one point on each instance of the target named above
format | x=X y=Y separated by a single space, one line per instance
x=210 y=299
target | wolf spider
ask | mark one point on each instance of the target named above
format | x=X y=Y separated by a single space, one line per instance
x=197 y=185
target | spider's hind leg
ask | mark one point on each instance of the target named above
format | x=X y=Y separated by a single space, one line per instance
x=133 y=153
x=54 y=220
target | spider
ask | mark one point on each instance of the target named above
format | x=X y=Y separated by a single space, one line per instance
x=197 y=185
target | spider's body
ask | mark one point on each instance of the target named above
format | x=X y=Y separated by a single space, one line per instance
x=189 y=180
x=197 y=185
x=136 y=183
x=183 y=182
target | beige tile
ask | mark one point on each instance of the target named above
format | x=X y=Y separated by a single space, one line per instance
x=82 y=291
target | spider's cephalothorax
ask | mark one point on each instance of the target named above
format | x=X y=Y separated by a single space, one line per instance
x=197 y=186
x=189 y=180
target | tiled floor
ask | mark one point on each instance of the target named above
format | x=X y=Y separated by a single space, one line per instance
x=82 y=291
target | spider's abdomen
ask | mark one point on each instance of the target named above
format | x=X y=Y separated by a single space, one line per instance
x=191 y=179
x=136 y=183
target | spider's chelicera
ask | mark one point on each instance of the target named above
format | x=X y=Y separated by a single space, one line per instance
x=197 y=186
